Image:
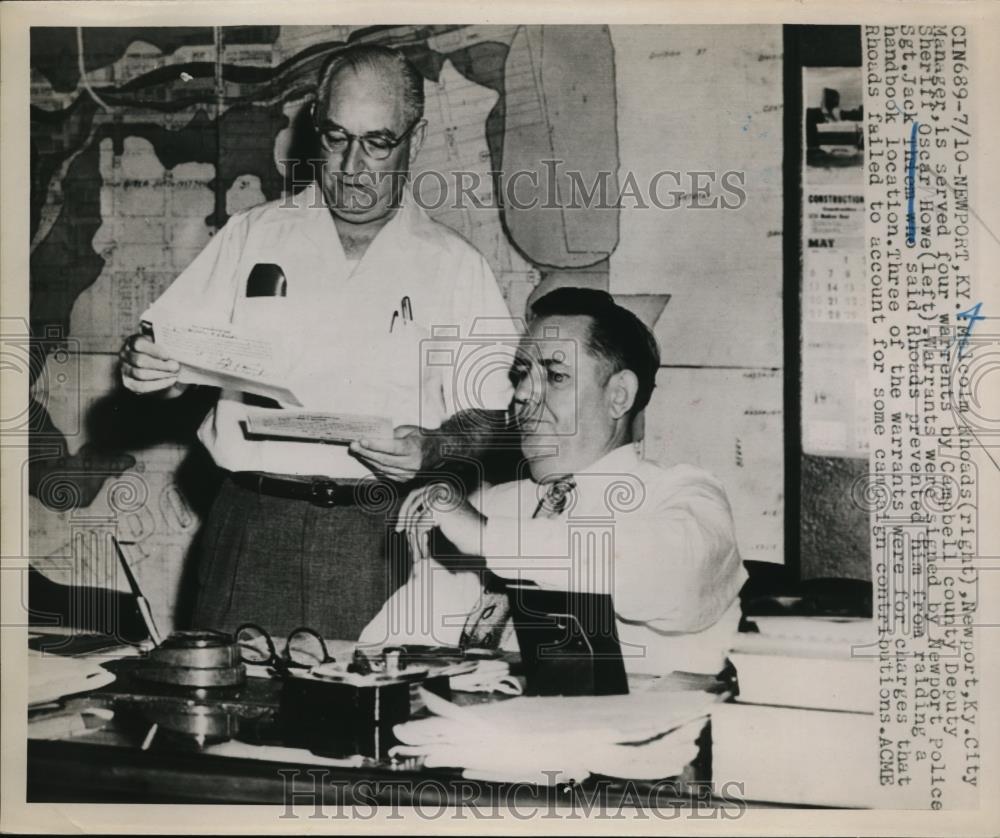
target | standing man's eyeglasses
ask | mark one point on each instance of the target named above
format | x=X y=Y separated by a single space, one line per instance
x=377 y=145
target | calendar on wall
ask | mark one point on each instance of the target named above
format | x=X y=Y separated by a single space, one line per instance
x=833 y=286
x=835 y=398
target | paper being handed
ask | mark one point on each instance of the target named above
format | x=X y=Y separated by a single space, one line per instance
x=226 y=356
x=318 y=427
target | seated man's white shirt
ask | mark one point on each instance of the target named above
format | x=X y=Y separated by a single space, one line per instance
x=660 y=540
x=335 y=324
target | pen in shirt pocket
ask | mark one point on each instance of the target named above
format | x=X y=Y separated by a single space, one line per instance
x=402 y=315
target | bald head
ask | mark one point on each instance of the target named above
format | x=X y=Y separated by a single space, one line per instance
x=387 y=69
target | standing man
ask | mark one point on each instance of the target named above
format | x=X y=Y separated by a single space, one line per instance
x=357 y=275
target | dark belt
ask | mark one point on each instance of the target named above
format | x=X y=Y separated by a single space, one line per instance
x=316 y=490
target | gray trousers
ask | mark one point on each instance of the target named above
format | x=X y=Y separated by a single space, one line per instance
x=285 y=563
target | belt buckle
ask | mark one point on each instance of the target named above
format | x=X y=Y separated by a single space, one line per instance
x=323 y=492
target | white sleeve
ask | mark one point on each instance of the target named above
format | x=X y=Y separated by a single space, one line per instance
x=674 y=566
x=207 y=287
x=429 y=609
x=679 y=569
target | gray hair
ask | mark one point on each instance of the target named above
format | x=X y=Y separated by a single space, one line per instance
x=390 y=66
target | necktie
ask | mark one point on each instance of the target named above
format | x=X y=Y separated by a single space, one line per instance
x=489 y=625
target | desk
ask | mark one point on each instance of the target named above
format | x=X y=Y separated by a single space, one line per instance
x=75 y=771
x=110 y=766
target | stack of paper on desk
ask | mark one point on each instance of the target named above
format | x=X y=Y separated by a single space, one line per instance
x=556 y=739
x=789 y=755
x=802 y=729
x=810 y=636
x=823 y=683
x=816 y=662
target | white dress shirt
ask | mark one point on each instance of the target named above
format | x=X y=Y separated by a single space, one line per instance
x=336 y=320
x=659 y=540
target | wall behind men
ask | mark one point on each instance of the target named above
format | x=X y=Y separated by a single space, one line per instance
x=136 y=161
x=709 y=100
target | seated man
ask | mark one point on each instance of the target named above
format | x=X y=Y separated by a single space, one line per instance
x=593 y=516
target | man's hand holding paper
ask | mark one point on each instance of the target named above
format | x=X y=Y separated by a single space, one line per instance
x=317 y=426
x=398 y=458
x=395 y=453
x=148 y=368
x=223 y=355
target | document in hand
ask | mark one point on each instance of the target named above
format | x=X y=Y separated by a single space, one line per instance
x=317 y=427
x=227 y=356
x=555 y=739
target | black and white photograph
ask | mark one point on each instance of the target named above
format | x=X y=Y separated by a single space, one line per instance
x=445 y=420
x=834 y=121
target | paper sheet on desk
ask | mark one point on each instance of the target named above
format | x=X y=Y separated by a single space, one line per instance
x=278 y=753
x=318 y=427
x=50 y=677
x=557 y=739
x=488 y=676
x=858 y=631
x=227 y=356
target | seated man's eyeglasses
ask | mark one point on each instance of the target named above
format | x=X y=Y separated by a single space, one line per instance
x=377 y=145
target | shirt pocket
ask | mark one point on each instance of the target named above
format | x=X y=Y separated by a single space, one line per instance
x=403 y=368
x=404 y=349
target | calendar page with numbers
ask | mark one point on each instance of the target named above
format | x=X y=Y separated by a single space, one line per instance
x=835 y=405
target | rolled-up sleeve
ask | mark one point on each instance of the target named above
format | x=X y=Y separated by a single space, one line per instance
x=673 y=564
x=680 y=569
